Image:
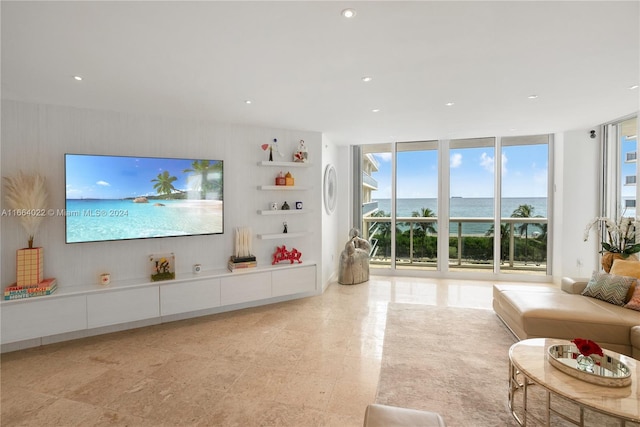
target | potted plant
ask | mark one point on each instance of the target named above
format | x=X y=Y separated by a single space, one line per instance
x=620 y=239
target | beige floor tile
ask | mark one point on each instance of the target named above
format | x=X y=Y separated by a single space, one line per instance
x=307 y=391
x=351 y=398
x=307 y=362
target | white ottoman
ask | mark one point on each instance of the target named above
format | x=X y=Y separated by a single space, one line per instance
x=392 y=416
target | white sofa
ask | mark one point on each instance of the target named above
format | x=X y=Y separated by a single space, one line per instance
x=546 y=311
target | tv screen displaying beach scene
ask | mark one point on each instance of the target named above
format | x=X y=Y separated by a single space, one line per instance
x=122 y=198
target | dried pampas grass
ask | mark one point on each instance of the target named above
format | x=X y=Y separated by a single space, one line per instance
x=26 y=196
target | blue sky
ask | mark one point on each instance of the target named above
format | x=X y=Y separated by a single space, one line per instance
x=524 y=172
x=107 y=177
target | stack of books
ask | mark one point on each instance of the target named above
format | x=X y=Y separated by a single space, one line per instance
x=15 y=291
x=237 y=263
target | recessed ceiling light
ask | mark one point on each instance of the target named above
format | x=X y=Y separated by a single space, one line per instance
x=449 y=104
x=375 y=110
x=367 y=79
x=348 y=13
x=78 y=78
x=248 y=101
x=633 y=87
x=532 y=96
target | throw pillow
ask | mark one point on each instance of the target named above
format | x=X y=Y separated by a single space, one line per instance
x=608 y=287
x=634 y=302
x=629 y=268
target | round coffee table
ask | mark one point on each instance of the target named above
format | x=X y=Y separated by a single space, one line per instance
x=528 y=365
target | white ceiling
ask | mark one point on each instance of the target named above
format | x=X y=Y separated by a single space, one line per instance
x=301 y=63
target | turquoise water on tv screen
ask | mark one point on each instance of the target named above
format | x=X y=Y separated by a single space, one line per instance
x=99 y=220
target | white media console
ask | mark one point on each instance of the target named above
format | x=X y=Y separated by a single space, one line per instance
x=80 y=311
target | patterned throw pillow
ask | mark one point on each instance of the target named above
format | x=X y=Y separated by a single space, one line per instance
x=634 y=302
x=608 y=287
x=629 y=268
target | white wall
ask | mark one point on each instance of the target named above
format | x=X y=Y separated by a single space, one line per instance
x=36 y=137
x=331 y=246
x=576 y=200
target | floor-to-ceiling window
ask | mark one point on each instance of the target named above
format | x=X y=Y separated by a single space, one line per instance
x=620 y=170
x=524 y=204
x=471 y=203
x=376 y=226
x=417 y=205
x=463 y=205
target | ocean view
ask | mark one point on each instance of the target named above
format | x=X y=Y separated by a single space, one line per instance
x=468 y=208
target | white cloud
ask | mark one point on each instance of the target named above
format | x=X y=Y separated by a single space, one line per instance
x=103 y=183
x=385 y=157
x=455 y=160
x=488 y=162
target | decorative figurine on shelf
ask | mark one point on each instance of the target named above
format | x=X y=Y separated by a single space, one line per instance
x=282 y=254
x=288 y=179
x=280 y=179
x=285 y=206
x=301 y=154
x=271 y=147
x=285 y=227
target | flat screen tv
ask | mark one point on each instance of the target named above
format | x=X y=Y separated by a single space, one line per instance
x=122 y=198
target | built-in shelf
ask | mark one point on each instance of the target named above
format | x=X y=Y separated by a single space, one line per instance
x=285 y=164
x=282 y=211
x=282 y=235
x=282 y=187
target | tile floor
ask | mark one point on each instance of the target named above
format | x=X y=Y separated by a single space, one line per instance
x=308 y=362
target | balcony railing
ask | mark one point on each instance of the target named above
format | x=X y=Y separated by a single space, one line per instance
x=532 y=243
x=369 y=181
x=369 y=207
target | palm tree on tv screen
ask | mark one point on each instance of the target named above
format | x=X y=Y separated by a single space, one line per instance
x=164 y=183
x=202 y=169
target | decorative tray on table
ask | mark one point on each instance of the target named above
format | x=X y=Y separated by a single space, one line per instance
x=606 y=371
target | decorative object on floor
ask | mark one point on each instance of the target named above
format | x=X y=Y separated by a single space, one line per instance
x=105 y=279
x=162 y=267
x=300 y=155
x=243 y=250
x=329 y=189
x=288 y=179
x=607 y=371
x=282 y=254
x=45 y=287
x=280 y=180
x=26 y=195
x=284 y=230
x=354 y=260
x=621 y=238
x=285 y=206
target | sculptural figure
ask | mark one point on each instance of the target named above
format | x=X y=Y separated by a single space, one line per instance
x=354 y=260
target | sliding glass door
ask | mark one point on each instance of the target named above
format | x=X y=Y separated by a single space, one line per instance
x=470 y=205
x=417 y=205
